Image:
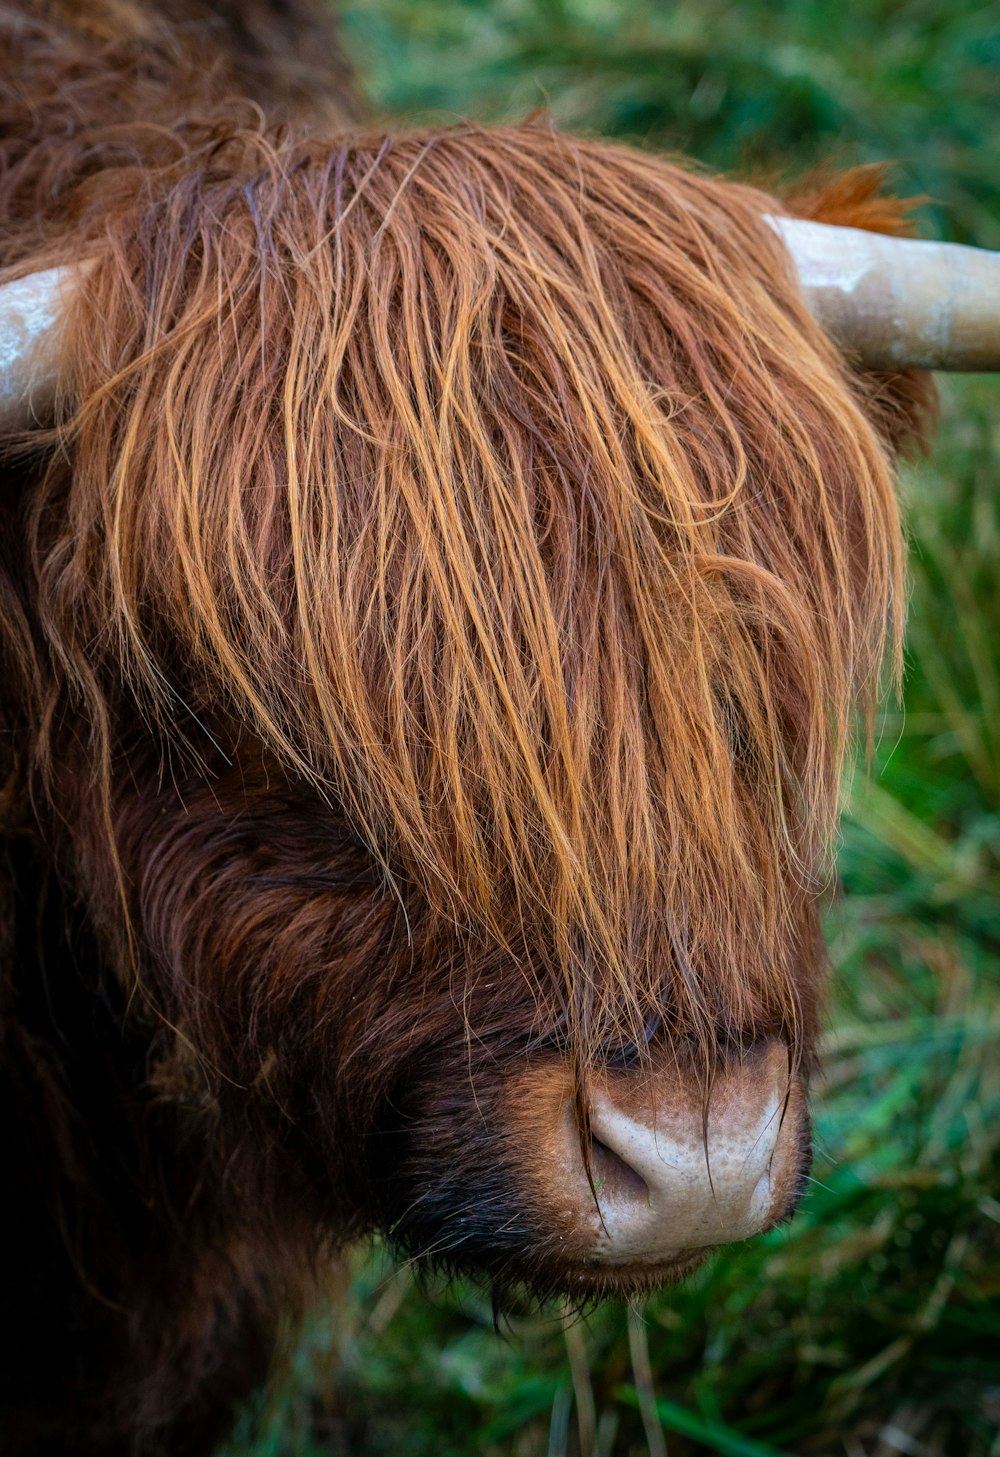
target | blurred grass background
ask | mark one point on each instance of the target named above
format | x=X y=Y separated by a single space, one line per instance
x=871 y=1325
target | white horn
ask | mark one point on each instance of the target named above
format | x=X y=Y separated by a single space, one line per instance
x=896 y=303
x=30 y=311
x=899 y=303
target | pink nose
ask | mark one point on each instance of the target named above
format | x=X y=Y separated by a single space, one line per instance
x=669 y=1179
x=673 y=1172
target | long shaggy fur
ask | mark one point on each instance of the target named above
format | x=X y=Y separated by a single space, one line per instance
x=434 y=624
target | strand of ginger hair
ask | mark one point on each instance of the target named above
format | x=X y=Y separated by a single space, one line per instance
x=500 y=482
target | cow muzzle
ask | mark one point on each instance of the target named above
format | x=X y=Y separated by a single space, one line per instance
x=647 y=1171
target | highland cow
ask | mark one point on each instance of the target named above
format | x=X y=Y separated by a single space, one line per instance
x=439 y=572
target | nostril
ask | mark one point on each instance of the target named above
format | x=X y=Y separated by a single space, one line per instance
x=679 y=1173
x=614 y=1178
x=676 y=1168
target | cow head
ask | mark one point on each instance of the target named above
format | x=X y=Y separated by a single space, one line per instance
x=448 y=589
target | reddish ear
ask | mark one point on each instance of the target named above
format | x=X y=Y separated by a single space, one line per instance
x=902 y=405
x=853 y=199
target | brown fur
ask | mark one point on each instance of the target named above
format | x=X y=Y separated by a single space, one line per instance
x=431 y=637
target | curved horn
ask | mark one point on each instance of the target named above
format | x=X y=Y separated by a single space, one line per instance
x=30 y=309
x=895 y=302
x=899 y=303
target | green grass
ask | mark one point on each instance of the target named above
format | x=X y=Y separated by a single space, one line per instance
x=871 y=1325
x=776 y=85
